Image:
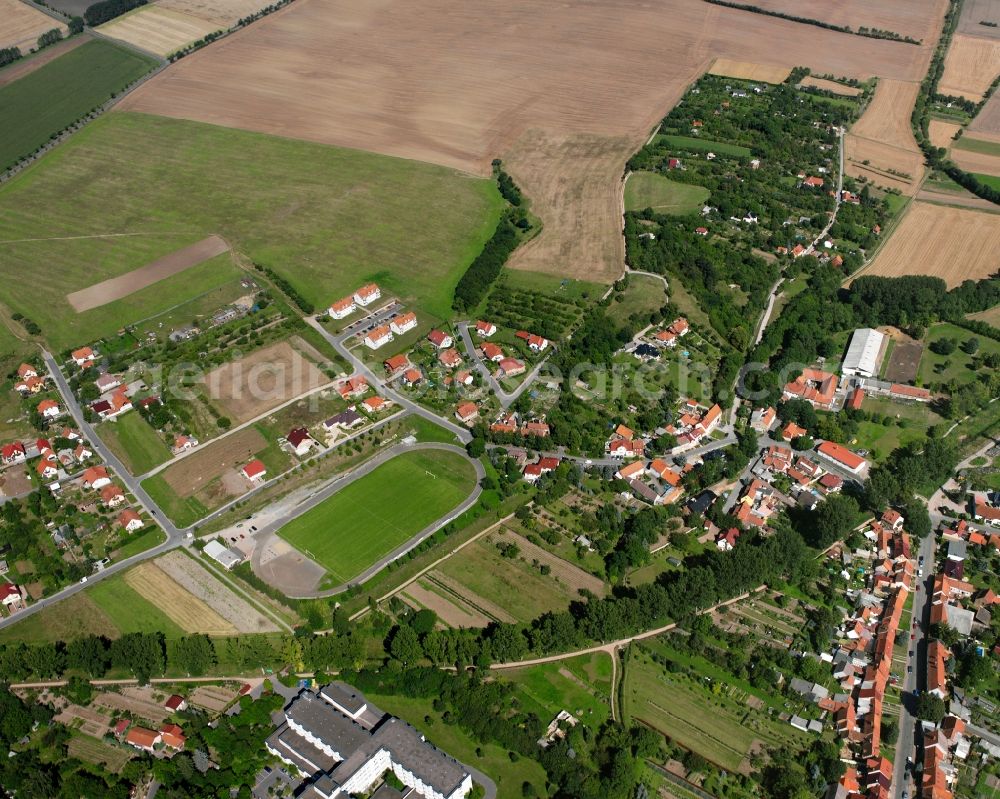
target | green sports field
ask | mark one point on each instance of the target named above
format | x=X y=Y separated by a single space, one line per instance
x=372 y=516
x=130 y=188
x=665 y=196
x=45 y=101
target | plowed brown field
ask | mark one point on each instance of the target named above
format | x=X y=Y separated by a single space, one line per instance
x=976 y=162
x=941 y=132
x=918 y=19
x=564 y=92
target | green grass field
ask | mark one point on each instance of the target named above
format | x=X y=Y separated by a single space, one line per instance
x=974 y=145
x=581 y=685
x=665 y=196
x=129 y=611
x=697 y=145
x=140 y=542
x=182 y=511
x=327 y=218
x=45 y=101
x=993 y=181
x=643 y=296
x=936 y=368
x=137 y=444
x=372 y=516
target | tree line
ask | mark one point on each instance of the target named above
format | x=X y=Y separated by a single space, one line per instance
x=107 y=10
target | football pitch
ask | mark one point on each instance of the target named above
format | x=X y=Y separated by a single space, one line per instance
x=369 y=518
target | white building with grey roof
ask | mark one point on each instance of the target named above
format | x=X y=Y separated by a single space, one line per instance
x=342 y=745
x=864 y=353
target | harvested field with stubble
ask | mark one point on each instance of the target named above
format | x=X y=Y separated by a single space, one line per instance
x=747 y=70
x=954 y=244
x=187 y=611
x=158 y=30
x=918 y=19
x=941 y=133
x=249 y=386
x=970 y=161
x=976 y=11
x=831 y=86
x=188 y=476
x=970 y=67
x=23 y=24
x=883 y=138
x=551 y=88
x=117 y=288
x=221 y=13
x=203 y=585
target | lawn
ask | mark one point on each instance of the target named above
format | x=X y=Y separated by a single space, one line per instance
x=54 y=96
x=643 y=296
x=936 y=368
x=369 y=518
x=137 y=444
x=563 y=288
x=993 y=181
x=140 y=543
x=581 y=685
x=327 y=218
x=881 y=439
x=694 y=144
x=494 y=760
x=78 y=615
x=665 y=196
x=182 y=511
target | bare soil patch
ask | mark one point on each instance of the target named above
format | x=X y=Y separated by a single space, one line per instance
x=118 y=287
x=941 y=132
x=26 y=66
x=748 y=70
x=212 y=697
x=158 y=30
x=918 y=19
x=200 y=583
x=268 y=377
x=976 y=11
x=883 y=138
x=970 y=66
x=88 y=720
x=23 y=24
x=449 y=611
x=201 y=467
x=14 y=481
x=189 y=612
x=442 y=82
x=961 y=199
x=976 y=162
x=986 y=125
x=136 y=701
x=954 y=244
x=831 y=86
x=903 y=361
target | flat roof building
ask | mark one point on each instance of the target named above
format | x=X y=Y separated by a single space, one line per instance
x=864 y=353
x=342 y=745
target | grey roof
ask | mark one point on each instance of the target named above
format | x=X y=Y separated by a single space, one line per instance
x=347 y=417
x=386 y=792
x=957 y=550
x=862 y=354
x=960 y=619
x=344 y=696
x=342 y=734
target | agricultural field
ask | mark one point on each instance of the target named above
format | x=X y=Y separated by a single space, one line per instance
x=510 y=588
x=942 y=133
x=722 y=726
x=209 y=477
x=54 y=96
x=976 y=11
x=157 y=30
x=221 y=13
x=136 y=188
x=969 y=67
x=92 y=750
x=30 y=63
x=581 y=685
x=918 y=19
x=650 y=190
x=986 y=125
x=990 y=316
x=929 y=239
x=372 y=516
x=831 y=86
x=252 y=385
x=977 y=155
x=882 y=137
x=748 y=70
x=23 y=24
x=469 y=108
x=137 y=444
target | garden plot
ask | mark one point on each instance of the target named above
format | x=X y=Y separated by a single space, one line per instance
x=450 y=609
x=113 y=758
x=87 y=720
x=215 y=698
x=137 y=701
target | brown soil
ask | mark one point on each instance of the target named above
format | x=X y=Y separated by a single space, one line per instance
x=904 y=361
x=118 y=287
x=748 y=70
x=187 y=611
x=918 y=19
x=564 y=92
x=135 y=702
x=975 y=11
x=986 y=125
x=268 y=377
x=446 y=610
x=963 y=199
x=91 y=722
x=212 y=697
x=954 y=244
x=941 y=132
x=976 y=162
x=831 y=86
x=202 y=466
x=26 y=66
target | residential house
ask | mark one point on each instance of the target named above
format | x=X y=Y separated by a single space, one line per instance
x=26 y=370
x=395 y=363
x=96 y=477
x=143 y=738
x=535 y=343
x=175 y=703
x=762 y=419
x=112 y=496
x=450 y=358
x=439 y=339
x=467 y=412
x=373 y=405
x=300 y=441
x=625 y=448
x=403 y=323
x=342 y=308
x=255 y=471
x=378 y=337
x=634 y=469
x=106 y=382
x=172 y=736
x=49 y=409
x=485 y=329
x=29 y=385
x=537 y=429
x=10 y=597
x=813 y=183
x=82 y=452
x=412 y=376
x=510 y=367
x=813 y=385
x=184 y=443
x=344 y=420
x=463 y=377
x=843 y=458
x=492 y=352
x=13 y=453
x=353 y=387
x=83 y=357
x=130 y=521
x=367 y=294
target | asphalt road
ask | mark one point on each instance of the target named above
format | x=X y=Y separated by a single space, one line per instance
x=268 y=532
x=506 y=398
x=911 y=681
